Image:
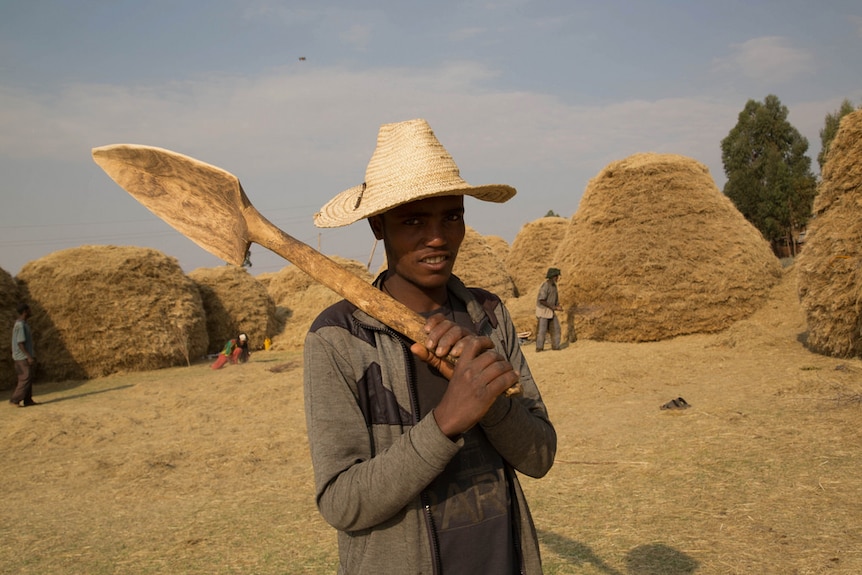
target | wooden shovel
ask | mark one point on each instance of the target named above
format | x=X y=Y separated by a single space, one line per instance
x=208 y=206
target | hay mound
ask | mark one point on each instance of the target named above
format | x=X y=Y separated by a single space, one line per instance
x=300 y=299
x=10 y=297
x=655 y=250
x=499 y=246
x=99 y=310
x=533 y=252
x=234 y=301
x=478 y=265
x=830 y=264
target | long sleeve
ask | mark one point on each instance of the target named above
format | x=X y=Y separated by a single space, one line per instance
x=357 y=488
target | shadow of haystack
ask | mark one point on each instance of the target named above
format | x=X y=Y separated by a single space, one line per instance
x=830 y=264
x=99 y=310
x=655 y=251
x=234 y=302
x=659 y=559
x=574 y=552
x=10 y=297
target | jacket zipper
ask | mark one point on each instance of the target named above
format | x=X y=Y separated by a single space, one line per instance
x=423 y=497
x=414 y=406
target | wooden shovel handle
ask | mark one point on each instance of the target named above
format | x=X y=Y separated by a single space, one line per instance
x=348 y=285
x=345 y=283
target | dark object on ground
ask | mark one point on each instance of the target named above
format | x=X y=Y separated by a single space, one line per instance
x=678 y=403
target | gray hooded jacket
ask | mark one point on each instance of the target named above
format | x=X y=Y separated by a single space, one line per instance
x=373 y=457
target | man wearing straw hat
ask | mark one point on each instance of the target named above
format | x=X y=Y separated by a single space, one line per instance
x=417 y=473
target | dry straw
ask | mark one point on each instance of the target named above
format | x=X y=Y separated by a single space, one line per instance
x=830 y=265
x=99 y=310
x=478 y=265
x=10 y=297
x=533 y=252
x=655 y=250
x=234 y=301
x=408 y=164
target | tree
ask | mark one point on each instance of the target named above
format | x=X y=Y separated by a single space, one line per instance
x=552 y=214
x=769 y=177
x=830 y=128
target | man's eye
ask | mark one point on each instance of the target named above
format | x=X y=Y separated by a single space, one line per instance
x=411 y=222
x=455 y=217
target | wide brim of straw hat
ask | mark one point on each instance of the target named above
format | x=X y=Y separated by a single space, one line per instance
x=409 y=164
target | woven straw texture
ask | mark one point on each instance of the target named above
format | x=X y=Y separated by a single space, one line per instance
x=408 y=164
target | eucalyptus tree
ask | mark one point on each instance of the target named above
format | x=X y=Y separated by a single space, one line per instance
x=769 y=177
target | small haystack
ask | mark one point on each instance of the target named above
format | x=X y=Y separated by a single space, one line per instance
x=478 y=265
x=533 y=252
x=655 y=250
x=830 y=264
x=99 y=310
x=300 y=299
x=10 y=297
x=234 y=302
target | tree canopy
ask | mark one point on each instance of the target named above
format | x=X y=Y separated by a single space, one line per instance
x=830 y=128
x=769 y=177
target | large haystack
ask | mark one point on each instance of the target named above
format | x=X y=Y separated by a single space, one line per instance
x=533 y=252
x=99 y=310
x=478 y=265
x=830 y=265
x=300 y=299
x=10 y=297
x=234 y=302
x=655 y=250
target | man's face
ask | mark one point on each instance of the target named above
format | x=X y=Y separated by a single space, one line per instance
x=422 y=239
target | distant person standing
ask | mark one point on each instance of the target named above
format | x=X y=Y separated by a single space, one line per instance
x=24 y=355
x=547 y=304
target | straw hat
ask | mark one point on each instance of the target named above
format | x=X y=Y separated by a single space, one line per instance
x=408 y=164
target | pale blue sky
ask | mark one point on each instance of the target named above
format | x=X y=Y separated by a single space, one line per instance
x=540 y=95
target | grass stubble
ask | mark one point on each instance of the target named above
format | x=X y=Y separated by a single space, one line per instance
x=187 y=470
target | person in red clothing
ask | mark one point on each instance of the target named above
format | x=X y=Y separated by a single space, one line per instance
x=235 y=351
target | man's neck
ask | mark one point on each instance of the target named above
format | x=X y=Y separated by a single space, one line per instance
x=418 y=299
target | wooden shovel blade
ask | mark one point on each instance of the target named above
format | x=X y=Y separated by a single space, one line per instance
x=203 y=202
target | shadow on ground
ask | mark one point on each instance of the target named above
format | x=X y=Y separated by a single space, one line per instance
x=650 y=559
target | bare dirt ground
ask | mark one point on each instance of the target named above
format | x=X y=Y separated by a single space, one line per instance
x=187 y=470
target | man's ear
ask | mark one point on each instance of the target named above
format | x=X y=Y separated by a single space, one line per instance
x=376 y=224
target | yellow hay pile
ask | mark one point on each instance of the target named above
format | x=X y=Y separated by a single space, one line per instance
x=499 y=246
x=830 y=265
x=533 y=252
x=299 y=299
x=655 y=250
x=10 y=297
x=478 y=265
x=234 y=301
x=99 y=310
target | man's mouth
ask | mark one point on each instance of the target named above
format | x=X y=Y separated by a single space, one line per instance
x=434 y=260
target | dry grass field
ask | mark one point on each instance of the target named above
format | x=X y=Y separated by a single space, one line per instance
x=186 y=470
